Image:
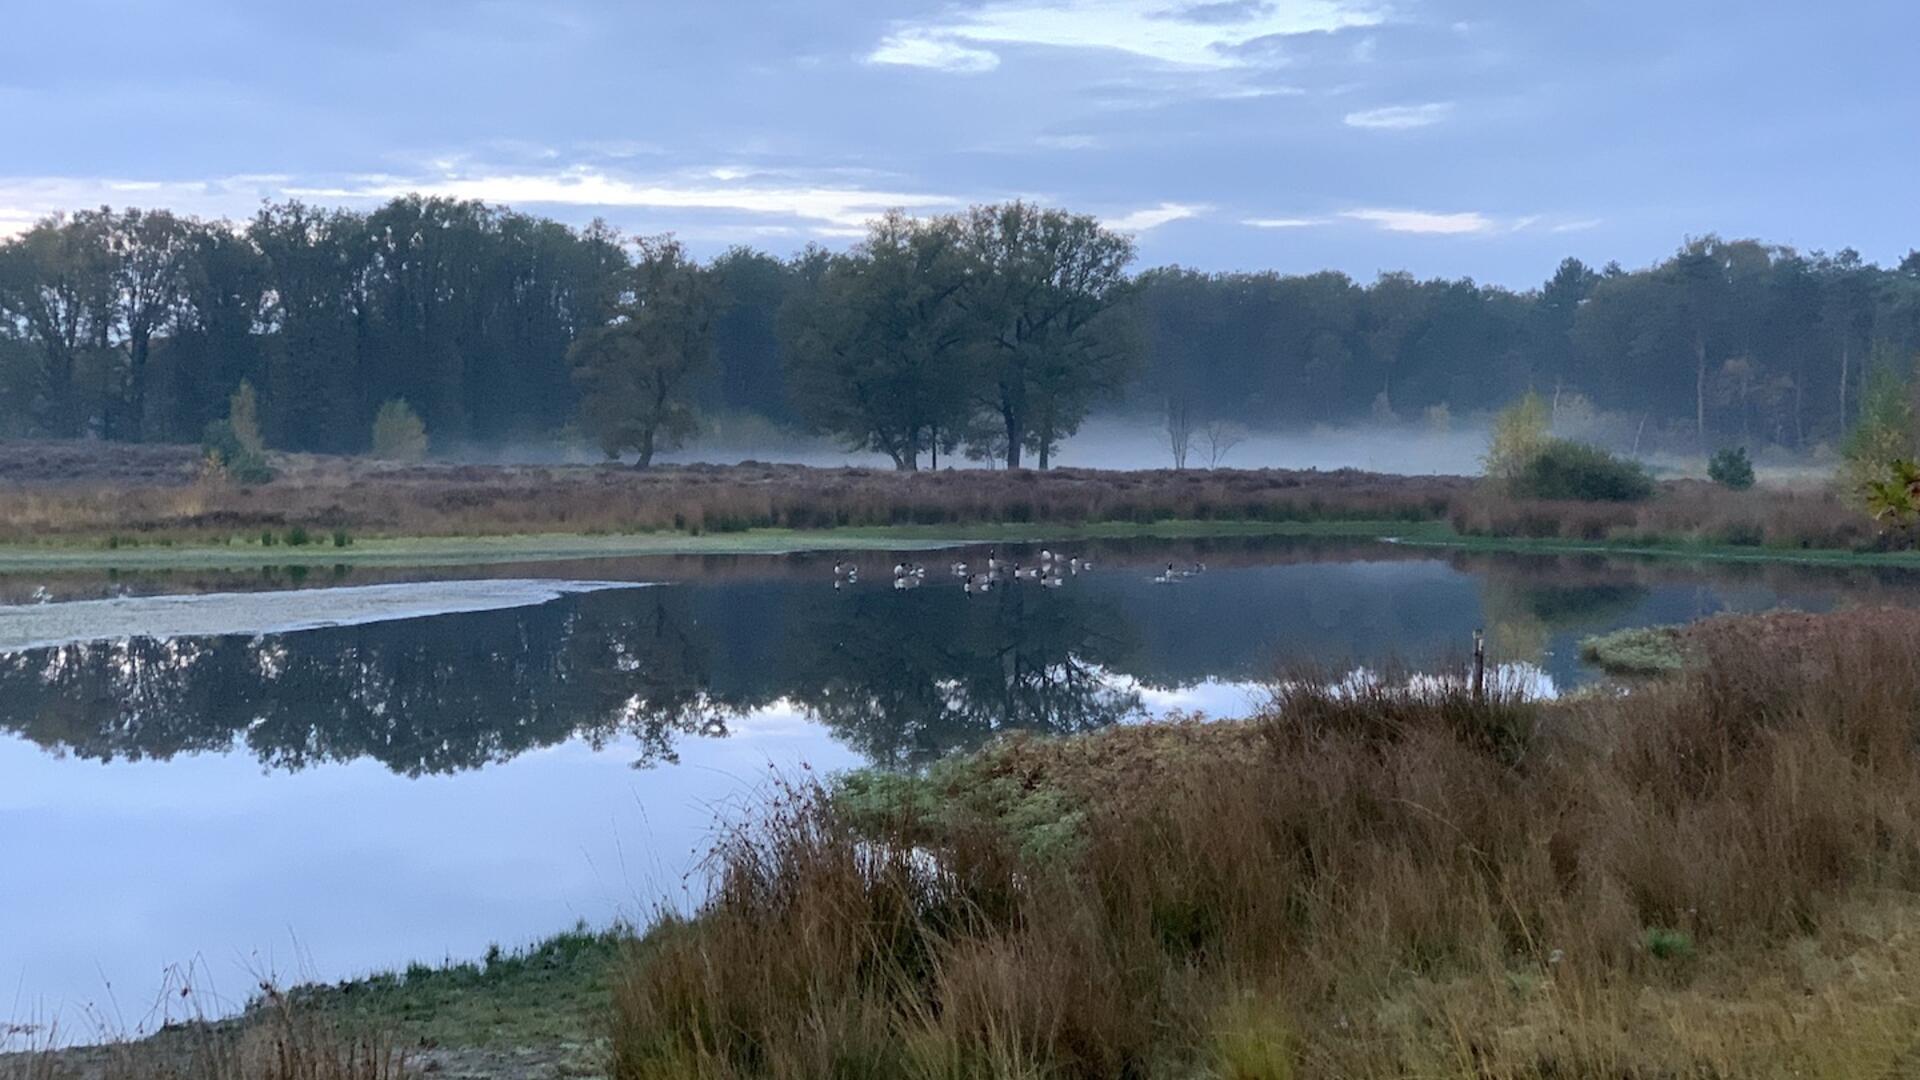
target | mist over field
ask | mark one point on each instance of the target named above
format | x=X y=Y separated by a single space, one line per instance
x=1106 y=442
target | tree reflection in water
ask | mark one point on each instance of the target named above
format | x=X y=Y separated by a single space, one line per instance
x=901 y=678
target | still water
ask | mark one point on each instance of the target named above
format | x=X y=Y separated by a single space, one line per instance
x=413 y=765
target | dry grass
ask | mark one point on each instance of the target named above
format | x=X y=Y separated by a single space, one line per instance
x=372 y=499
x=273 y=1041
x=1684 y=511
x=1712 y=877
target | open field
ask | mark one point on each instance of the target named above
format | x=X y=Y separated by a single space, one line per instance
x=81 y=506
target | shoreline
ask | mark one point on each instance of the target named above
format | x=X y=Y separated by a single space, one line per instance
x=508 y=549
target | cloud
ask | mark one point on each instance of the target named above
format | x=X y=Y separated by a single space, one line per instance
x=1424 y=221
x=1283 y=222
x=824 y=203
x=25 y=200
x=1069 y=142
x=1154 y=216
x=1580 y=225
x=1206 y=35
x=917 y=49
x=717 y=189
x=1401 y=117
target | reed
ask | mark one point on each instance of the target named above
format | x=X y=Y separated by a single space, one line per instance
x=1711 y=876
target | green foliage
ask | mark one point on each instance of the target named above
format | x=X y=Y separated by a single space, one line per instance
x=1667 y=944
x=1563 y=469
x=636 y=374
x=243 y=416
x=1885 y=436
x=1731 y=468
x=1895 y=497
x=1520 y=432
x=880 y=350
x=553 y=991
x=398 y=433
x=1644 y=650
x=224 y=449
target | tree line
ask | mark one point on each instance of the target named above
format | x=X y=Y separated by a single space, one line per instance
x=994 y=332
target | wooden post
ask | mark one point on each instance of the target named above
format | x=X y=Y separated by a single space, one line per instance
x=1479 y=666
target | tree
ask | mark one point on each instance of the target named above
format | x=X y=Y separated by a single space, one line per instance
x=635 y=372
x=1046 y=291
x=1520 y=432
x=1222 y=436
x=398 y=433
x=243 y=415
x=149 y=252
x=55 y=281
x=882 y=352
x=1179 y=430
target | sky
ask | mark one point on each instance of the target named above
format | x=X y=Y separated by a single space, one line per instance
x=1445 y=137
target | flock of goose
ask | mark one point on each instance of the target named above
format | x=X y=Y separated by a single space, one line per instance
x=1052 y=573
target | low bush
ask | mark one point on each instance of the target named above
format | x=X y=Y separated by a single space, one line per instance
x=1563 y=469
x=1731 y=468
x=241 y=463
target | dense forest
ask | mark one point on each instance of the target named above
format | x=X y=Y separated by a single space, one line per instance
x=998 y=331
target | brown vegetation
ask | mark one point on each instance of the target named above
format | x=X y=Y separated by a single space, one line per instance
x=273 y=1041
x=368 y=498
x=1710 y=877
x=1683 y=511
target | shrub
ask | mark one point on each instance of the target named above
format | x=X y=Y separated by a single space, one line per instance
x=398 y=433
x=1731 y=468
x=1563 y=469
x=224 y=448
x=1519 y=435
x=243 y=416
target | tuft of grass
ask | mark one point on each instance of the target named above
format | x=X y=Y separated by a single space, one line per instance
x=1648 y=650
x=555 y=992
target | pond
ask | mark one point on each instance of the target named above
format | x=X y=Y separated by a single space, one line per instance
x=324 y=774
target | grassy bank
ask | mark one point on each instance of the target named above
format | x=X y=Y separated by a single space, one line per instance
x=1710 y=877
x=249 y=553
x=242 y=553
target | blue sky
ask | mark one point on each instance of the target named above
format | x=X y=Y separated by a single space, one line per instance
x=1448 y=137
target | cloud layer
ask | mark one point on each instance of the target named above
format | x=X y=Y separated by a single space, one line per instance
x=1199 y=35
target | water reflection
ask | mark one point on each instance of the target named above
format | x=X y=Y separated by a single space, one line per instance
x=900 y=676
x=476 y=786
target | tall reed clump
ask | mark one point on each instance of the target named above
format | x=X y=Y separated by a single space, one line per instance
x=1397 y=878
x=274 y=1040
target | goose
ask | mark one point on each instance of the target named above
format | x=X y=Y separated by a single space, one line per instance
x=1167 y=578
x=992 y=563
x=959 y=569
x=967 y=587
x=1053 y=582
x=919 y=571
x=1046 y=556
x=41 y=595
x=899 y=569
x=1073 y=564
